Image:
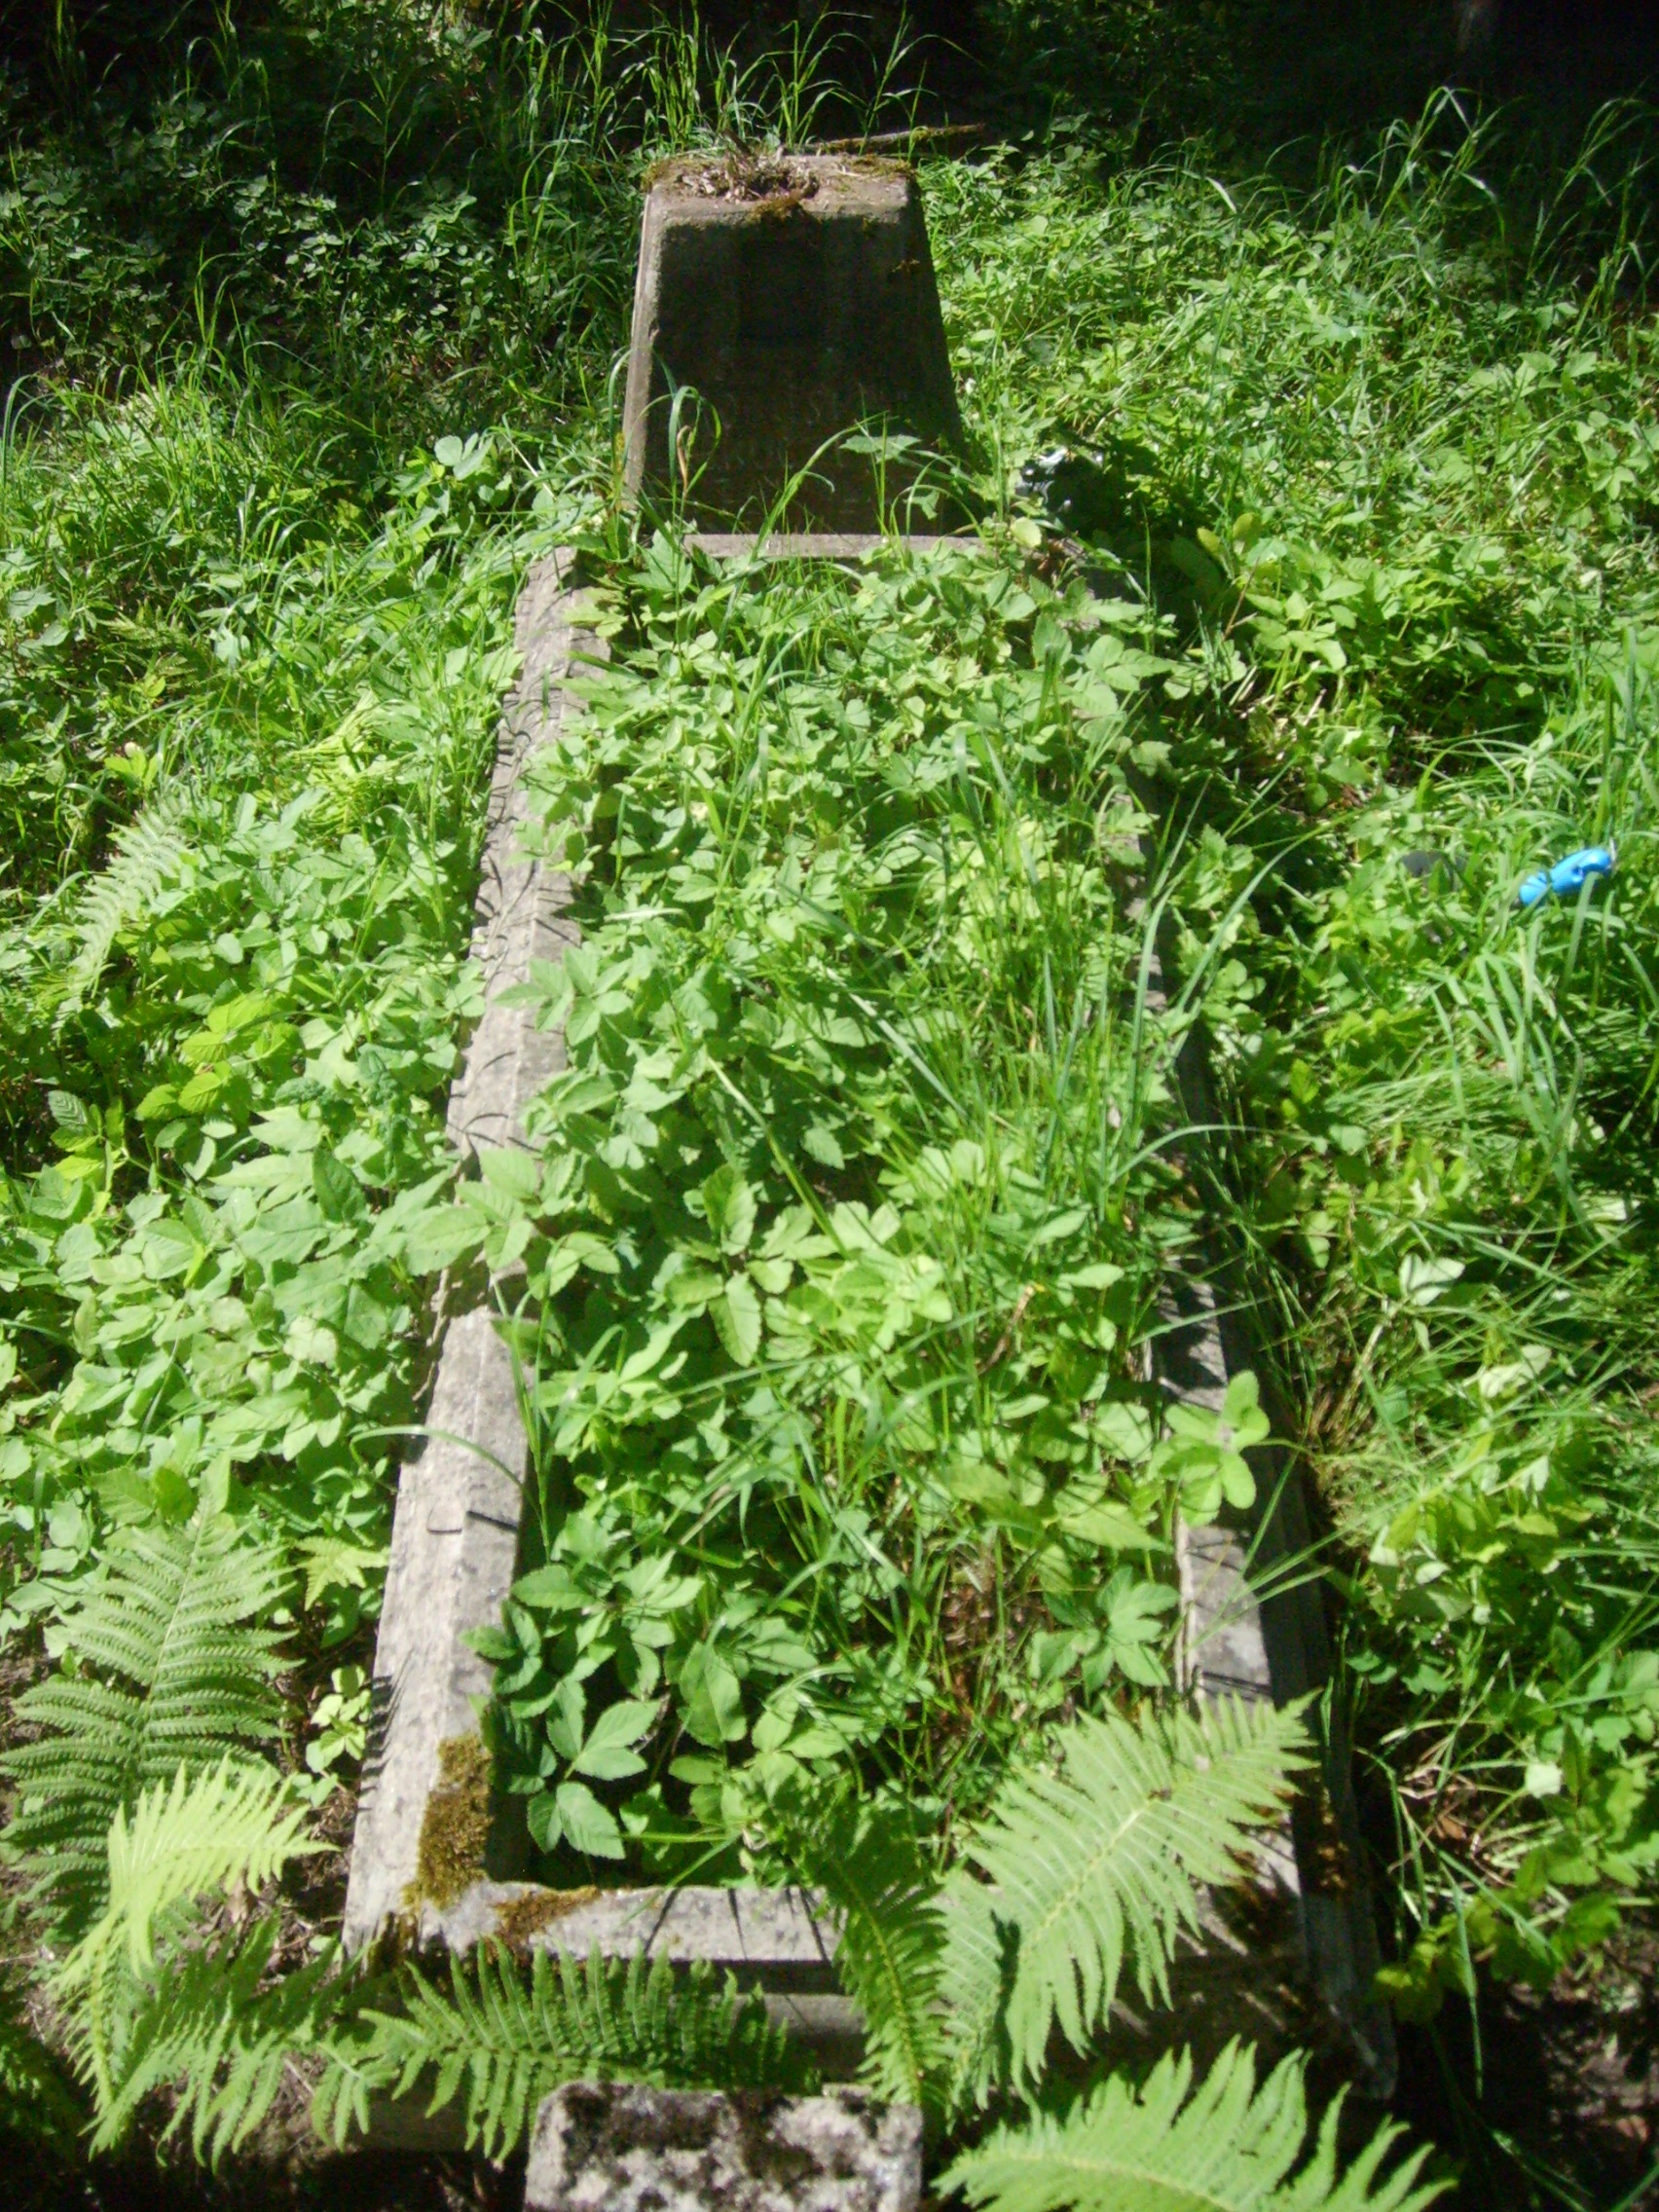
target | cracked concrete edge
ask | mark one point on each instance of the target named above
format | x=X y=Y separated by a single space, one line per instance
x=456 y=1526
x=670 y=2150
x=521 y=912
x=736 y=1928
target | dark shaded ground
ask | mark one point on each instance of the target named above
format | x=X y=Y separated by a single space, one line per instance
x=382 y=2181
x=1560 y=2095
x=1250 y=71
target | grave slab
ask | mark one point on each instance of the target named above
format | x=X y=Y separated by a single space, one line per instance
x=636 y=2149
x=796 y=297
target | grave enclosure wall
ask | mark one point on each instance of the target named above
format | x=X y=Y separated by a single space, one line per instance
x=426 y=1826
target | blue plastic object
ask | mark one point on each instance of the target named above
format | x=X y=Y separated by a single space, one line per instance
x=1567 y=875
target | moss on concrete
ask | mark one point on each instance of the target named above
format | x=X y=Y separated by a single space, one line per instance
x=525 y=1916
x=454 y=1831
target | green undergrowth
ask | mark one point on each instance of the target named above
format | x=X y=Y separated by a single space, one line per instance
x=228 y=1046
x=1397 y=460
x=1456 y=1152
x=1394 y=469
x=1388 y=454
x=842 y=1234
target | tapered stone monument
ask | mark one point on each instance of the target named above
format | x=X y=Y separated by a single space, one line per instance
x=780 y=303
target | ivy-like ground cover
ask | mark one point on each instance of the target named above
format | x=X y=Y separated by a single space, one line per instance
x=228 y=1051
x=833 y=1268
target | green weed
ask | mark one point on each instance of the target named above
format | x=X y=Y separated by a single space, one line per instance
x=840 y=1253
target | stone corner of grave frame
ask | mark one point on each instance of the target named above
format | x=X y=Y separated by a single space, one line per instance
x=796 y=300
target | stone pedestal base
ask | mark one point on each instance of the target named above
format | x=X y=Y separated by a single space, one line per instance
x=796 y=300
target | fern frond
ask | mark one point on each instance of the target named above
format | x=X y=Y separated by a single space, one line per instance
x=186 y=1839
x=866 y=1862
x=976 y=1975
x=1103 y=1861
x=505 y=2046
x=171 y=1675
x=214 y=2028
x=339 y=2097
x=209 y=1831
x=146 y=853
x=1163 y=2147
x=351 y=778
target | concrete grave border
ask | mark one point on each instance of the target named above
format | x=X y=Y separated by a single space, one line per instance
x=425 y=1821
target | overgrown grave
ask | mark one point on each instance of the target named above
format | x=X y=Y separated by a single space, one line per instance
x=438 y=1853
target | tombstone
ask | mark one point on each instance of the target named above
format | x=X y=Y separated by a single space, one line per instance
x=795 y=297
x=618 y=2148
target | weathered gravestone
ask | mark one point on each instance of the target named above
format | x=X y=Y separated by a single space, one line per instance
x=795 y=297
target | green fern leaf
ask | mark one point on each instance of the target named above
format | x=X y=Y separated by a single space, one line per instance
x=975 y=1976
x=216 y=2029
x=866 y=1862
x=1104 y=1861
x=171 y=1675
x=225 y=1827
x=503 y=2045
x=146 y=853
x=1224 y=2146
x=340 y=2099
x=211 y=1832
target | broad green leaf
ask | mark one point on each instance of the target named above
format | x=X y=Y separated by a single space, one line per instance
x=728 y=1207
x=624 y=1723
x=564 y=1718
x=588 y=1825
x=607 y=1755
x=548 y=1588
x=1424 y=1281
x=336 y=1187
x=437 y=1238
x=544 y=1820
x=168 y=1249
x=515 y=1173
x=713 y=1698
x=736 y=1315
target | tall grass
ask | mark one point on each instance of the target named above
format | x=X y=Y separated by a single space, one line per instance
x=1386 y=451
